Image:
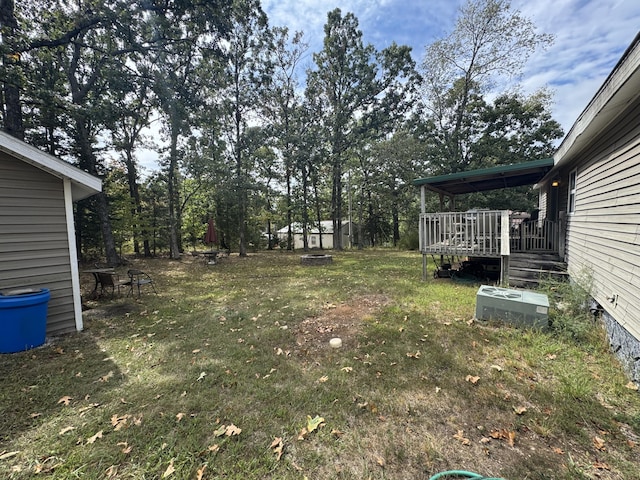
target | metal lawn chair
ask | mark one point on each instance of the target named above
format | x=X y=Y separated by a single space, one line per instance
x=138 y=279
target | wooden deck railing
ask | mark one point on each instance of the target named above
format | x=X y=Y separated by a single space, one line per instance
x=535 y=236
x=482 y=233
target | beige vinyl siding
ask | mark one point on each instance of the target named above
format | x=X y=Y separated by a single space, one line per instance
x=603 y=237
x=34 y=249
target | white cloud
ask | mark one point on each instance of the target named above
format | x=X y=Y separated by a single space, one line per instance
x=590 y=38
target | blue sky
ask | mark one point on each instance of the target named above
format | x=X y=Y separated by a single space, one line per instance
x=590 y=36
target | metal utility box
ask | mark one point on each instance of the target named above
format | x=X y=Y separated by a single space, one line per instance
x=522 y=308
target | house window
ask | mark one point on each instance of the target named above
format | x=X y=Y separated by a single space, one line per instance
x=313 y=240
x=572 y=191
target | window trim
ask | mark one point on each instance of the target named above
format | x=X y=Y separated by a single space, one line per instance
x=571 y=199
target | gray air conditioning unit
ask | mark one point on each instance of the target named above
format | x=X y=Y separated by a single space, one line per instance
x=522 y=308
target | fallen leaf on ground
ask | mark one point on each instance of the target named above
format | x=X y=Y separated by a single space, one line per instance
x=66 y=400
x=519 y=410
x=496 y=367
x=461 y=438
x=472 y=379
x=380 y=460
x=631 y=386
x=126 y=447
x=277 y=446
x=65 y=430
x=200 y=472
x=504 y=434
x=201 y=376
x=558 y=450
x=347 y=369
x=601 y=466
x=9 y=454
x=218 y=432
x=105 y=378
x=95 y=437
x=118 y=422
x=111 y=471
x=179 y=416
x=214 y=448
x=323 y=379
x=414 y=355
x=599 y=443
x=232 y=430
x=169 y=471
x=313 y=423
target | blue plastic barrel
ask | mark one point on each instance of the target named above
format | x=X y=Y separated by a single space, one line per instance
x=23 y=319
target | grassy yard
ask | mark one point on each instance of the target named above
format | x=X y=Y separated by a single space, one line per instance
x=228 y=373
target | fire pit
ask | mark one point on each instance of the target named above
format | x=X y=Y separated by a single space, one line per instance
x=316 y=259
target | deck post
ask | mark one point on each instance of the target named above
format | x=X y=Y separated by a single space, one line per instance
x=421 y=232
x=505 y=248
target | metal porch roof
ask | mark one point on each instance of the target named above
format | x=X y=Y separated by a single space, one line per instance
x=494 y=178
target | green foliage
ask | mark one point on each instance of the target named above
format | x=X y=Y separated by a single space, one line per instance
x=238 y=140
x=359 y=93
x=570 y=315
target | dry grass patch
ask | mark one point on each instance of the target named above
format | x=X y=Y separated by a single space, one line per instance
x=242 y=347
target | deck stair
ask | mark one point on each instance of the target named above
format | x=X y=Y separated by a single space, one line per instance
x=527 y=269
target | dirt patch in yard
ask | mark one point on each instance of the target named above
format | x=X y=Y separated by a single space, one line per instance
x=342 y=320
x=95 y=310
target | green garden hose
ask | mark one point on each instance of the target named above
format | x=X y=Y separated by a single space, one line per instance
x=462 y=473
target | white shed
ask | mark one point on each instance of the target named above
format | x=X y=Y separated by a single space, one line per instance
x=314 y=234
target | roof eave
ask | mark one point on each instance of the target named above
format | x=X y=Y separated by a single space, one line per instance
x=83 y=184
x=621 y=87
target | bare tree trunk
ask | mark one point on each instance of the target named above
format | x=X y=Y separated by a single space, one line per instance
x=305 y=206
x=12 y=109
x=89 y=162
x=172 y=180
x=336 y=203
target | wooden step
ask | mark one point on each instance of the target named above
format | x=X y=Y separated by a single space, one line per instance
x=539 y=271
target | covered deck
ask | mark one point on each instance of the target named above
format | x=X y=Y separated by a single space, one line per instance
x=487 y=234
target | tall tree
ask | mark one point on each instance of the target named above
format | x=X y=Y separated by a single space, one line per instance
x=354 y=83
x=282 y=103
x=130 y=107
x=489 y=42
x=247 y=72
x=183 y=33
x=11 y=70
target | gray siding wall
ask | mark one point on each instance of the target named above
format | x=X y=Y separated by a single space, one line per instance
x=34 y=250
x=603 y=235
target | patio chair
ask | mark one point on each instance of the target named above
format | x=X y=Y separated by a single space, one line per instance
x=110 y=280
x=138 y=278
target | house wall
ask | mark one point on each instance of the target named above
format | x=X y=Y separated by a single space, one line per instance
x=603 y=234
x=34 y=248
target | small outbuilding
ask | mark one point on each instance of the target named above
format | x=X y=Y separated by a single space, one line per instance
x=317 y=235
x=37 y=234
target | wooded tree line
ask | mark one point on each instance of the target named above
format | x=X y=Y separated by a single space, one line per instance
x=252 y=129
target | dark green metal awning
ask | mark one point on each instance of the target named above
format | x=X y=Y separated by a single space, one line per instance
x=494 y=178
